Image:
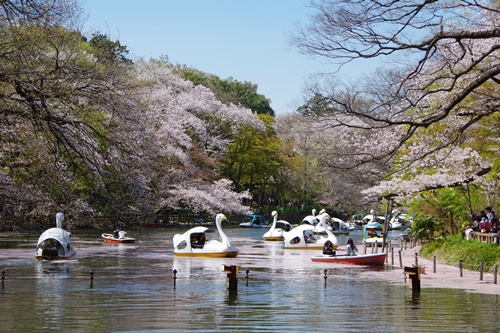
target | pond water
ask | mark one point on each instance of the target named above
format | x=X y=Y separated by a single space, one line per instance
x=133 y=290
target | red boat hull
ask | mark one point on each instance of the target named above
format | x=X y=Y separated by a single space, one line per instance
x=118 y=241
x=366 y=259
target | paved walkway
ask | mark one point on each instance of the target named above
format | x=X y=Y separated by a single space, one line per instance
x=444 y=277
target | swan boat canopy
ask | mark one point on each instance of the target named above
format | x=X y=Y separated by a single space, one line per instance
x=275 y=233
x=121 y=239
x=374 y=221
x=192 y=243
x=311 y=219
x=336 y=226
x=302 y=237
x=55 y=243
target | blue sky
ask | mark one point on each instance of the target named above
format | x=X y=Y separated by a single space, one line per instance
x=243 y=39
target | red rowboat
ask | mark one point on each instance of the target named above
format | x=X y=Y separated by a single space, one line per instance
x=363 y=259
x=109 y=238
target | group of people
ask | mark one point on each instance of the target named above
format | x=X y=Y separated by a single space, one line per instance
x=485 y=222
x=351 y=248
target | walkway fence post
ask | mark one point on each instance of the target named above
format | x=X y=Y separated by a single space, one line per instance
x=434 y=263
x=481 y=270
x=460 y=265
x=495 y=272
x=400 y=260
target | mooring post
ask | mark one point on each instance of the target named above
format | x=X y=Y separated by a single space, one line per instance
x=175 y=276
x=3 y=276
x=247 y=271
x=481 y=270
x=416 y=259
x=91 y=279
x=460 y=265
x=434 y=264
x=232 y=276
x=364 y=248
x=324 y=276
x=414 y=274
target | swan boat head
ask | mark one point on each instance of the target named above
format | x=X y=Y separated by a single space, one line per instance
x=274 y=234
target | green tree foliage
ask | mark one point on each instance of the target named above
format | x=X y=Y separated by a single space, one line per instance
x=60 y=100
x=253 y=162
x=316 y=106
x=426 y=227
x=109 y=50
x=229 y=90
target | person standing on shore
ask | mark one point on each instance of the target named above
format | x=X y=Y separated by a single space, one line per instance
x=490 y=215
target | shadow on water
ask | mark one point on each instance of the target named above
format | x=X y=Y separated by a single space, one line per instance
x=133 y=291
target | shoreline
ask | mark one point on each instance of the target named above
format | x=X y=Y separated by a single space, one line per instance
x=444 y=277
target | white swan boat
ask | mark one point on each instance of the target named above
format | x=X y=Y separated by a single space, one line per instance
x=399 y=221
x=275 y=233
x=302 y=237
x=193 y=243
x=55 y=243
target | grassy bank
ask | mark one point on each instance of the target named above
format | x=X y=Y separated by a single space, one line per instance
x=454 y=248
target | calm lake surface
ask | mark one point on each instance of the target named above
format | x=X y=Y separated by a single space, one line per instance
x=133 y=291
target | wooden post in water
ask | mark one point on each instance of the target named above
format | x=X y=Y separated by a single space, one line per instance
x=3 y=276
x=414 y=274
x=175 y=276
x=232 y=276
x=416 y=259
x=324 y=276
x=91 y=279
x=247 y=271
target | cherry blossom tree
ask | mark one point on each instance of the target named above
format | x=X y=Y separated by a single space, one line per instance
x=440 y=83
x=185 y=133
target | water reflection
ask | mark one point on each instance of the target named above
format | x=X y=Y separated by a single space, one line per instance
x=134 y=291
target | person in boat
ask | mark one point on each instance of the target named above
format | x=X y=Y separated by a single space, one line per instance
x=372 y=233
x=328 y=248
x=116 y=232
x=198 y=242
x=352 y=249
